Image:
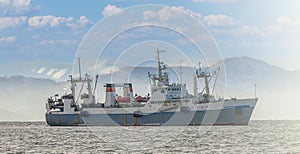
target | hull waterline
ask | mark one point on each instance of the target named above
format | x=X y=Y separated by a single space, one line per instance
x=229 y=116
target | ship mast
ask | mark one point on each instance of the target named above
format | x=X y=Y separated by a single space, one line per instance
x=196 y=76
x=204 y=75
x=159 y=64
x=79 y=69
x=161 y=77
x=180 y=73
x=86 y=79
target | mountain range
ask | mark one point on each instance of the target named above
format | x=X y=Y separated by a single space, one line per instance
x=24 y=98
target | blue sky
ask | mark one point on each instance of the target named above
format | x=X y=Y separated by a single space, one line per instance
x=40 y=37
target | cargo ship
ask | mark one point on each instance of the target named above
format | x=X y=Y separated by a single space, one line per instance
x=167 y=104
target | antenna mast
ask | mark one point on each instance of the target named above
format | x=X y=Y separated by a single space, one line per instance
x=217 y=74
x=79 y=68
x=159 y=66
x=255 y=91
x=95 y=84
x=180 y=73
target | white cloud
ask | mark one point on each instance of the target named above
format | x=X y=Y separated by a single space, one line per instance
x=177 y=14
x=8 y=22
x=60 y=73
x=49 y=20
x=219 y=20
x=53 y=21
x=111 y=9
x=104 y=67
x=51 y=71
x=168 y=13
x=81 y=22
x=58 y=42
x=40 y=70
x=149 y=15
x=9 y=39
x=287 y=21
x=15 y=3
x=12 y=7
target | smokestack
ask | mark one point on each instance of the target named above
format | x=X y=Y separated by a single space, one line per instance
x=130 y=91
x=126 y=90
x=110 y=100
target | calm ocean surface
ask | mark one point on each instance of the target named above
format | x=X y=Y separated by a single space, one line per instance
x=257 y=137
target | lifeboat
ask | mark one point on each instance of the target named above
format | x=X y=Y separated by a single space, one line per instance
x=122 y=99
x=141 y=99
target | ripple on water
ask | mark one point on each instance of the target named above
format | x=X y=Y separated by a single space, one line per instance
x=257 y=137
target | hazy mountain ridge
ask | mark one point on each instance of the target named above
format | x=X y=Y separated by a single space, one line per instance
x=277 y=88
x=23 y=98
x=249 y=67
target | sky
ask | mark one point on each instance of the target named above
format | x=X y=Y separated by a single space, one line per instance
x=41 y=38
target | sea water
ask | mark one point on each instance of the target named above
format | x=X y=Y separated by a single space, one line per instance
x=258 y=137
